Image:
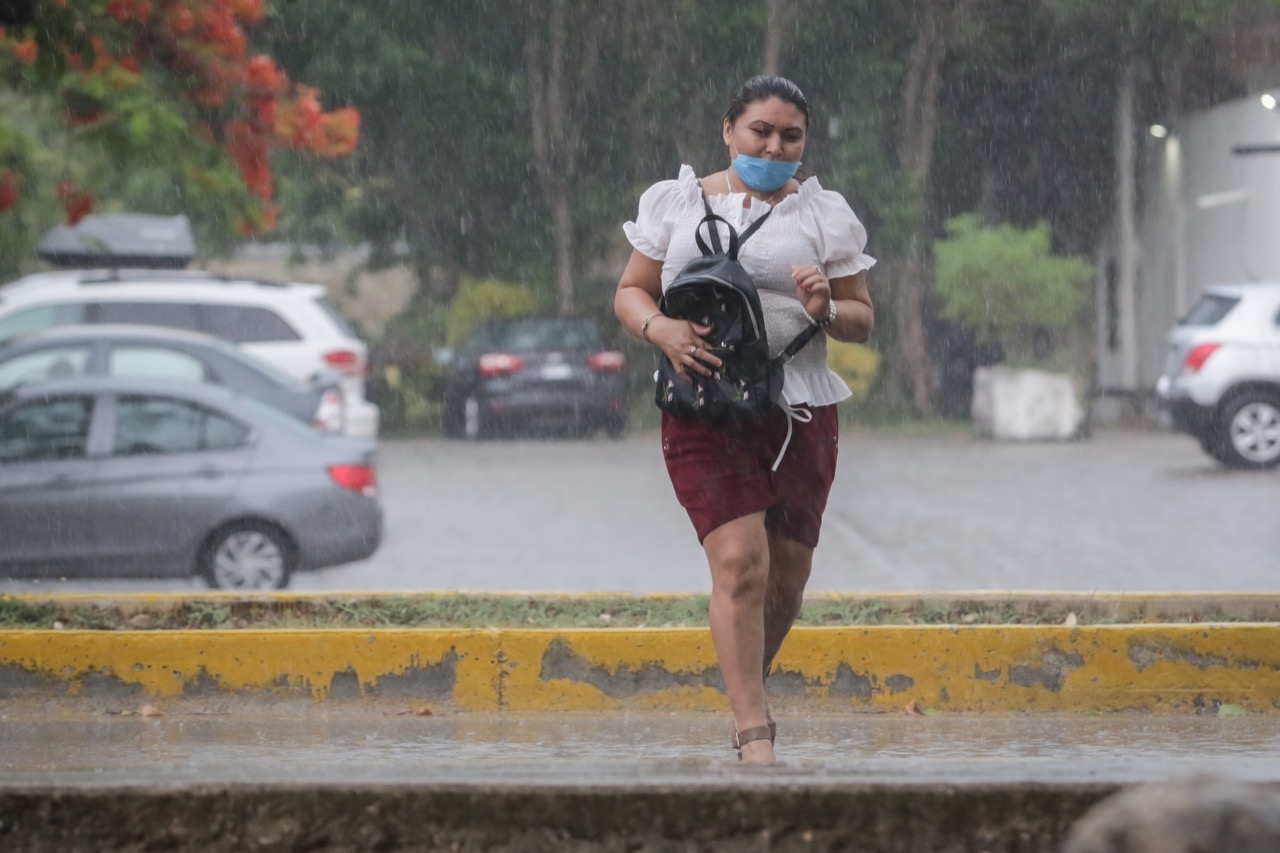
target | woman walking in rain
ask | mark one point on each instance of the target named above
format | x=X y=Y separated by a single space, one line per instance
x=758 y=526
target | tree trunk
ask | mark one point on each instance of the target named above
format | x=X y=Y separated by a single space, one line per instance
x=552 y=135
x=778 y=12
x=1126 y=228
x=918 y=128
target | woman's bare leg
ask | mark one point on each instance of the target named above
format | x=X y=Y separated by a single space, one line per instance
x=790 y=564
x=738 y=554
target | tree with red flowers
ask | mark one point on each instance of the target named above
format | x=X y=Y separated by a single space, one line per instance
x=169 y=85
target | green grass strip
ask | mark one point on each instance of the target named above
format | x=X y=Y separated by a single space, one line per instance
x=523 y=611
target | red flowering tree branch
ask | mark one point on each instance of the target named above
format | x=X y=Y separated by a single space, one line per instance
x=107 y=60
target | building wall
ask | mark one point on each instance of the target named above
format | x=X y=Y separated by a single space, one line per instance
x=1208 y=215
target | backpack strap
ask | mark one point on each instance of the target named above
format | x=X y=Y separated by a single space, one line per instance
x=713 y=231
x=797 y=344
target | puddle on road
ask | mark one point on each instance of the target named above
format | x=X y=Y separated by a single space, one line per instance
x=582 y=749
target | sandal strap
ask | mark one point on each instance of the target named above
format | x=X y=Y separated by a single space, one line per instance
x=748 y=735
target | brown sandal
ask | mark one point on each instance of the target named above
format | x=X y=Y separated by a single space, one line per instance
x=768 y=732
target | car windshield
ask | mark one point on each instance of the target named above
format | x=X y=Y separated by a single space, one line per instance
x=1209 y=309
x=547 y=333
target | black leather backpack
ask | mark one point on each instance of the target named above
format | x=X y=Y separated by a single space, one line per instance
x=716 y=291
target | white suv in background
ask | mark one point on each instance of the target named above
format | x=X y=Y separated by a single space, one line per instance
x=287 y=324
x=1221 y=379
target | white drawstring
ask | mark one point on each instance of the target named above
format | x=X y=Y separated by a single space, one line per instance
x=793 y=413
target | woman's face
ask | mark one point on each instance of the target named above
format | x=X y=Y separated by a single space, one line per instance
x=772 y=129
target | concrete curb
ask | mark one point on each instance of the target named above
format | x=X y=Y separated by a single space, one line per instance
x=1163 y=668
x=732 y=817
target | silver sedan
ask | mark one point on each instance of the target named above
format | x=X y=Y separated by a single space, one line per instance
x=111 y=477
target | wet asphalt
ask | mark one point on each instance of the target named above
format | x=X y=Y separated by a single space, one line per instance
x=1127 y=510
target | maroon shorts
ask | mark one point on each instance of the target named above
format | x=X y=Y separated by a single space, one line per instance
x=723 y=472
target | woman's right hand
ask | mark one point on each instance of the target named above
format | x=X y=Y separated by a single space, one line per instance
x=684 y=343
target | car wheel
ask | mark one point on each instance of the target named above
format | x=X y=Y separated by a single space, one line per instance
x=247 y=556
x=615 y=428
x=1211 y=443
x=1250 y=432
x=474 y=422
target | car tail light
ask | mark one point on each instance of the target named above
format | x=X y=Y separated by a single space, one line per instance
x=606 y=362
x=357 y=478
x=328 y=414
x=1198 y=356
x=499 y=364
x=346 y=361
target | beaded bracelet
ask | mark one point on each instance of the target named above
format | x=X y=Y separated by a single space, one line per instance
x=827 y=320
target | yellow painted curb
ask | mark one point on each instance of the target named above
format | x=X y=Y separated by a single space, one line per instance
x=1156 y=668
x=459 y=666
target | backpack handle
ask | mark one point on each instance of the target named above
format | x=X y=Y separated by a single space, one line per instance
x=713 y=231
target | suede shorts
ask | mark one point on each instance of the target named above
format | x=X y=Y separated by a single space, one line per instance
x=722 y=472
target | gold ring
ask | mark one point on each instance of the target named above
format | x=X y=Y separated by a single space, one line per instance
x=693 y=350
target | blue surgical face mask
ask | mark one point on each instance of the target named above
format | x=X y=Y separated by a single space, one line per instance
x=764 y=176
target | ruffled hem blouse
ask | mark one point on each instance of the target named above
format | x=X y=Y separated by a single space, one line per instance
x=811 y=226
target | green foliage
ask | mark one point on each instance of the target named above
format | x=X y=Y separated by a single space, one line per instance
x=445 y=156
x=1005 y=283
x=515 y=610
x=404 y=378
x=30 y=614
x=446 y=159
x=487 y=299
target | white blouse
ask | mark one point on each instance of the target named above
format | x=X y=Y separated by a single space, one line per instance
x=811 y=226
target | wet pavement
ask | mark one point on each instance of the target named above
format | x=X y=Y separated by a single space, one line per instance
x=339 y=745
x=1125 y=511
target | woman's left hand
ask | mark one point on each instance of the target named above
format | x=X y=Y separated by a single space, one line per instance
x=813 y=290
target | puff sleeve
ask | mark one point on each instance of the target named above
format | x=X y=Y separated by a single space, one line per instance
x=838 y=235
x=660 y=206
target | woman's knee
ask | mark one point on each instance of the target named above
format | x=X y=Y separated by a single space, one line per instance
x=741 y=575
x=738 y=553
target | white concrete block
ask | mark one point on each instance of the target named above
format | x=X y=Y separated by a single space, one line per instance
x=1022 y=404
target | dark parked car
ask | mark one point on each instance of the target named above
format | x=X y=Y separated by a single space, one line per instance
x=109 y=477
x=169 y=354
x=534 y=373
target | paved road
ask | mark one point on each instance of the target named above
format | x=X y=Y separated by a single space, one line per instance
x=1124 y=511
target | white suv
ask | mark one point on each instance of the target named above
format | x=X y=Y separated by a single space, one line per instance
x=1221 y=379
x=287 y=324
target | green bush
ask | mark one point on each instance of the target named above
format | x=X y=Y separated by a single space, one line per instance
x=1006 y=284
x=481 y=299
